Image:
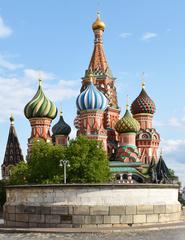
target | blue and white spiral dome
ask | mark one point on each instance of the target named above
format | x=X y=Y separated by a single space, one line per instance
x=91 y=99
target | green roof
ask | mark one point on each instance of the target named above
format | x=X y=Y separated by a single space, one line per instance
x=123 y=169
x=124 y=164
x=127 y=170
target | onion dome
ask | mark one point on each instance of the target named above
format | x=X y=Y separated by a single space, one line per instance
x=40 y=106
x=98 y=24
x=143 y=103
x=127 y=123
x=61 y=127
x=91 y=98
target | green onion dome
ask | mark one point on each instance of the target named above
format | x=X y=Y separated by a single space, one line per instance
x=143 y=104
x=127 y=124
x=40 y=106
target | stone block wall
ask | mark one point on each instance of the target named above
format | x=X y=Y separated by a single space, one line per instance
x=21 y=213
x=96 y=216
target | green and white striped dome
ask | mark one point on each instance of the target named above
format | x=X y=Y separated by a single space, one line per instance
x=40 y=106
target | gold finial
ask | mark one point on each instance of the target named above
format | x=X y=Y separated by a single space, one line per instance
x=98 y=24
x=40 y=78
x=60 y=111
x=143 y=80
x=127 y=105
x=40 y=82
x=98 y=15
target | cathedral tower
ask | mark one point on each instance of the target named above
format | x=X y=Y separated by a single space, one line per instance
x=13 y=152
x=147 y=139
x=104 y=81
x=40 y=111
x=127 y=127
x=91 y=104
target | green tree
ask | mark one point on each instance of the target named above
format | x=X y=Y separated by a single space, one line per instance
x=19 y=174
x=44 y=163
x=88 y=161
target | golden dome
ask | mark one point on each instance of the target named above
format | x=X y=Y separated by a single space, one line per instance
x=98 y=24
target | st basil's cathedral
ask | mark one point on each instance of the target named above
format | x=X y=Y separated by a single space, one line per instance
x=130 y=141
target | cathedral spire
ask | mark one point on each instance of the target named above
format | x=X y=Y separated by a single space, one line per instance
x=13 y=152
x=98 y=61
x=98 y=67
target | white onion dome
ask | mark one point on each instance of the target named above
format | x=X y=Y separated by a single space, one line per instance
x=91 y=99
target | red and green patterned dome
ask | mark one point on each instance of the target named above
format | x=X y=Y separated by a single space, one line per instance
x=127 y=124
x=143 y=104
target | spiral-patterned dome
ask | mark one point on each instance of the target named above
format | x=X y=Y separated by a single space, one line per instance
x=127 y=124
x=40 y=106
x=61 y=127
x=143 y=104
x=91 y=99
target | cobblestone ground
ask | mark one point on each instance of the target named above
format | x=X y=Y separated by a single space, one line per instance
x=172 y=234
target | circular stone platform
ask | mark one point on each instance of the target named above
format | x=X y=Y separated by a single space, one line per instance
x=91 y=205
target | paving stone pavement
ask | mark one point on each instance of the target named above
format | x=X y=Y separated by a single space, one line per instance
x=168 y=234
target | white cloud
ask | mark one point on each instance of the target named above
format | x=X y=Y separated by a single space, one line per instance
x=12 y=96
x=168 y=30
x=5 y=31
x=33 y=74
x=17 y=90
x=173 y=145
x=148 y=36
x=125 y=35
x=178 y=168
x=73 y=133
x=178 y=122
x=174 y=121
x=158 y=123
x=63 y=90
x=4 y=63
x=174 y=152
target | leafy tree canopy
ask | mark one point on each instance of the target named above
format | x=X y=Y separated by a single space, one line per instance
x=88 y=163
x=44 y=162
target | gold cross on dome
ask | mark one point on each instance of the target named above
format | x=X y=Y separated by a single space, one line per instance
x=127 y=105
x=40 y=78
x=61 y=111
x=143 y=80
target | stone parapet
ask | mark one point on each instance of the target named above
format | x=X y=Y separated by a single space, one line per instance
x=71 y=216
x=53 y=207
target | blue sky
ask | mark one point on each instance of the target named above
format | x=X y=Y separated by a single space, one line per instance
x=55 y=38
